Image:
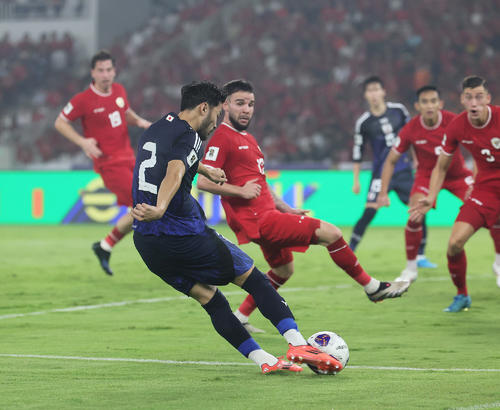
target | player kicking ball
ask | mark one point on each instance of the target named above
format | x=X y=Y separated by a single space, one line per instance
x=172 y=237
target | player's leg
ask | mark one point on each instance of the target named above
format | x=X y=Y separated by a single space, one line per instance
x=413 y=238
x=369 y=213
x=342 y=255
x=495 y=234
x=119 y=181
x=402 y=183
x=276 y=310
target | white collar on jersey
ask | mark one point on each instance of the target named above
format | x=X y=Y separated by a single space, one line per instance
x=100 y=93
x=436 y=125
x=234 y=129
x=485 y=124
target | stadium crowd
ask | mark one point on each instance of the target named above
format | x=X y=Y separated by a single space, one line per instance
x=306 y=60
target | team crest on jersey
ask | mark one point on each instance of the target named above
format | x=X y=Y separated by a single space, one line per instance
x=495 y=142
x=68 y=108
x=120 y=102
x=192 y=158
x=169 y=118
x=212 y=153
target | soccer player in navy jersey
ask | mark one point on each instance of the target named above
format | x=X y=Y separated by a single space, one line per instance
x=174 y=241
x=379 y=126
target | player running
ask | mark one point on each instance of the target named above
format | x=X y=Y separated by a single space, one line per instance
x=379 y=126
x=478 y=130
x=256 y=214
x=174 y=241
x=105 y=112
x=424 y=133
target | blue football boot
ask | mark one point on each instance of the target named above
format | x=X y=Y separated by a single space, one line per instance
x=460 y=302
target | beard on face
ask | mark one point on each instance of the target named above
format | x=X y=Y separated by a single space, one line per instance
x=205 y=128
x=234 y=122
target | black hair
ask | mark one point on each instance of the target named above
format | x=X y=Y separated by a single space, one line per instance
x=196 y=93
x=372 y=79
x=102 y=55
x=473 y=81
x=426 y=88
x=237 y=85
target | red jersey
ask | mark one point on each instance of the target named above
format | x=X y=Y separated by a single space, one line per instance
x=482 y=142
x=103 y=118
x=426 y=142
x=238 y=154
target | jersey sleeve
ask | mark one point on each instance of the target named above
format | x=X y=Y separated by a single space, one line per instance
x=450 y=140
x=216 y=152
x=406 y=114
x=74 y=109
x=358 y=146
x=186 y=149
x=403 y=141
x=125 y=97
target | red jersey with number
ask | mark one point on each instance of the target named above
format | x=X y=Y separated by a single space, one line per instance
x=426 y=142
x=482 y=142
x=239 y=155
x=103 y=118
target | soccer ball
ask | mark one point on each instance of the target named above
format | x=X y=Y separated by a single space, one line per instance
x=332 y=344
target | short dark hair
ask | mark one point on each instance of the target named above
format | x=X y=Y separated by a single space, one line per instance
x=102 y=55
x=198 y=92
x=372 y=79
x=237 y=85
x=473 y=81
x=426 y=88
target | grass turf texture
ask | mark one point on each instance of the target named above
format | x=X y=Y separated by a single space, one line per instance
x=45 y=268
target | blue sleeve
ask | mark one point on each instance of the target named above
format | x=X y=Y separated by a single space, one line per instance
x=186 y=149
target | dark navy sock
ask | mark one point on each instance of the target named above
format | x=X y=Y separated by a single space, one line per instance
x=360 y=227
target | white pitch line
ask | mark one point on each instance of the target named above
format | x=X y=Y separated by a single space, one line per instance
x=167 y=299
x=479 y=406
x=204 y=363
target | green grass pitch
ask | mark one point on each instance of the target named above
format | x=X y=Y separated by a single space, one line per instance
x=405 y=353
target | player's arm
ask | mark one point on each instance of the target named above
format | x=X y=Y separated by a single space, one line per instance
x=282 y=206
x=437 y=178
x=88 y=145
x=168 y=187
x=216 y=175
x=387 y=172
x=250 y=190
x=134 y=119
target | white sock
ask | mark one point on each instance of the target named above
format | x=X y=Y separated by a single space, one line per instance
x=497 y=259
x=260 y=356
x=372 y=286
x=411 y=265
x=241 y=317
x=106 y=246
x=294 y=337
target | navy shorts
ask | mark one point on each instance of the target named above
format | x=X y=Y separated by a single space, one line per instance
x=401 y=182
x=182 y=261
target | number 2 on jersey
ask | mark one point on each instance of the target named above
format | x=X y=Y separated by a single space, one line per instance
x=147 y=163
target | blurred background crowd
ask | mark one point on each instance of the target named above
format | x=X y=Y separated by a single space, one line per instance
x=306 y=60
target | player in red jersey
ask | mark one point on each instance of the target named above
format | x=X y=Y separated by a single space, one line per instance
x=257 y=215
x=478 y=130
x=424 y=133
x=104 y=111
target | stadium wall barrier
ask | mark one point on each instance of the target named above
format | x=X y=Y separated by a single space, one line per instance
x=64 y=197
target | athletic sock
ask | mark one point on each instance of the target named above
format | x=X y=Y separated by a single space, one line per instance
x=228 y=326
x=270 y=303
x=259 y=357
x=423 y=241
x=457 y=266
x=495 y=235
x=413 y=239
x=360 y=227
x=344 y=257
x=294 y=337
x=112 y=239
x=248 y=305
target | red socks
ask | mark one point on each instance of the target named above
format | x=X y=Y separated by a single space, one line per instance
x=114 y=237
x=413 y=237
x=457 y=265
x=248 y=305
x=344 y=257
x=495 y=234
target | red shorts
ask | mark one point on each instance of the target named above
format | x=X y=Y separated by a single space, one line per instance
x=457 y=186
x=282 y=233
x=117 y=177
x=481 y=209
